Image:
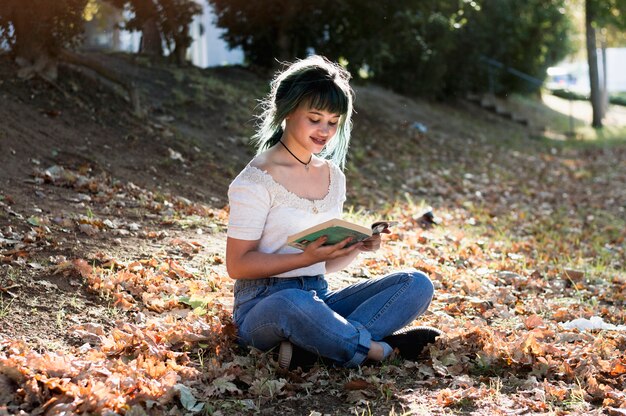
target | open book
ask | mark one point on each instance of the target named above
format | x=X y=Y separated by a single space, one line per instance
x=336 y=230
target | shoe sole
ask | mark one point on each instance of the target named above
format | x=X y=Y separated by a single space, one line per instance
x=418 y=328
x=285 y=352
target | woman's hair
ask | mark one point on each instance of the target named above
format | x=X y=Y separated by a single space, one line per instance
x=322 y=84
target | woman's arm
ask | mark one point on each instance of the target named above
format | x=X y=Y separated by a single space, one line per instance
x=244 y=261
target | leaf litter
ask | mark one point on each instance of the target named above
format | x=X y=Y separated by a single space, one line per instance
x=513 y=265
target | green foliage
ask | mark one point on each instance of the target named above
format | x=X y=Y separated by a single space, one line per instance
x=425 y=47
x=273 y=30
x=608 y=13
x=403 y=45
x=618 y=98
x=528 y=36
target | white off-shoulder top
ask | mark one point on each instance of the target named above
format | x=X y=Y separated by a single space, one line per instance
x=262 y=209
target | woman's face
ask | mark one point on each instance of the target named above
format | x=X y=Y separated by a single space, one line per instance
x=311 y=128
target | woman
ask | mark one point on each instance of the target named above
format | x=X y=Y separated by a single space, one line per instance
x=294 y=182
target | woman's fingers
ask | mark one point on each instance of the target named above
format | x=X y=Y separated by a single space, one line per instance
x=321 y=252
x=339 y=249
x=318 y=243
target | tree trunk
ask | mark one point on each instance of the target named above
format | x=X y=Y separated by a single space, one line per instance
x=284 y=41
x=180 y=53
x=30 y=49
x=605 y=83
x=182 y=42
x=151 y=42
x=592 y=59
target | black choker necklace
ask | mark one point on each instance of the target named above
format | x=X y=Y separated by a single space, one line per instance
x=306 y=164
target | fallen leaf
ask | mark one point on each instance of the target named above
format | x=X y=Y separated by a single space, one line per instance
x=573 y=275
x=357 y=384
x=533 y=321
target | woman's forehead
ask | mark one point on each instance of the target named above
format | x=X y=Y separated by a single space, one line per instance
x=306 y=106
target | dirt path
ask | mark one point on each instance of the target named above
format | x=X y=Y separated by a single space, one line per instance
x=582 y=111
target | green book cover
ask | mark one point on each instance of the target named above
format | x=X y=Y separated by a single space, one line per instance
x=335 y=230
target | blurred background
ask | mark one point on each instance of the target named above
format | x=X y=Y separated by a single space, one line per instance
x=436 y=49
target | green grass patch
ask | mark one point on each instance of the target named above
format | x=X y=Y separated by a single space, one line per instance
x=618 y=98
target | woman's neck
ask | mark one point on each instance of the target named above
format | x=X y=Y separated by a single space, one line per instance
x=295 y=151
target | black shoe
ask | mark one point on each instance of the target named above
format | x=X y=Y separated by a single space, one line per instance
x=290 y=357
x=411 y=341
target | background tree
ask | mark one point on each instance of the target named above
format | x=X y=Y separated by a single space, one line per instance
x=177 y=16
x=527 y=35
x=41 y=33
x=427 y=47
x=400 y=44
x=273 y=30
x=600 y=14
x=161 y=22
x=145 y=19
x=37 y=30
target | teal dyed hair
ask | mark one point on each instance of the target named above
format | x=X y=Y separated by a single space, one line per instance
x=323 y=85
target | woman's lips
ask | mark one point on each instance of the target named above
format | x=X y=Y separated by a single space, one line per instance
x=320 y=142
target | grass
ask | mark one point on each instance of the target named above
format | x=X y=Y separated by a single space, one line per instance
x=584 y=134
x=576 y=399
x=618 y=98
x=5 y=307
x=60 y=318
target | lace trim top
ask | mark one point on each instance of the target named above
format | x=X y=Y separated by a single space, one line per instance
x=284 y=196
x=263 y=209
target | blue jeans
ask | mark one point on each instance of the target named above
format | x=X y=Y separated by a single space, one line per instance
x=339 y=325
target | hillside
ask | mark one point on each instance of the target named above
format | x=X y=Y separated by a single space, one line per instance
x=113 y=292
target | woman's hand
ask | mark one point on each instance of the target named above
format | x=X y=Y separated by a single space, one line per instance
x=317 y=252
x=374 y=242
x=371 y=244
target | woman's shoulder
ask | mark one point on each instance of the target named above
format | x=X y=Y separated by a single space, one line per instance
x=335 y=170
x=333 y=166
x=248 y=176
x=258 y=173
x=271 y=167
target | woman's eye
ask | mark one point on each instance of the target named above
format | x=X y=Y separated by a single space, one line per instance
x=330 y=123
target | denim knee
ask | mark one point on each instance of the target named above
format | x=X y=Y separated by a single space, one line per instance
x=290 y=305
x=421 y=289
x=424 y=283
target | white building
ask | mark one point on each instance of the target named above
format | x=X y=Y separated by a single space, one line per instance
x=207 y=49
x=574 y=75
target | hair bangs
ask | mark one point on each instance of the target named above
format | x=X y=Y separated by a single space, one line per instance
x=326 y=95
